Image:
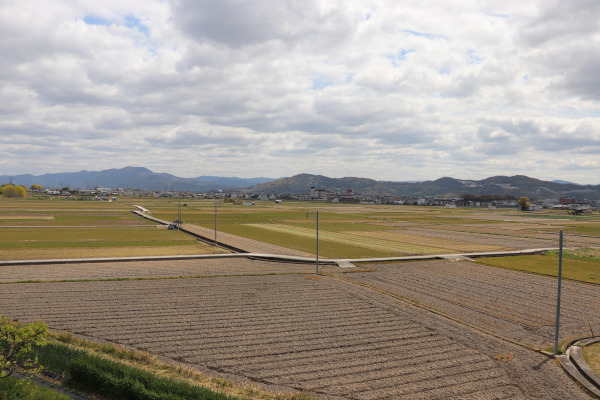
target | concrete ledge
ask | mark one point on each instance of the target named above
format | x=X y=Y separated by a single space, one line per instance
x=114 y=259
x=576 y=366
x=258 y=256
x=342 y=262
x=459 y=256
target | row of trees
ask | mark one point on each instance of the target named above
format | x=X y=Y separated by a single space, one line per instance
x=523 y=201
x=487 y=197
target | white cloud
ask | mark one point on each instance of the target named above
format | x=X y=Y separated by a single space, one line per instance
x=382 y=89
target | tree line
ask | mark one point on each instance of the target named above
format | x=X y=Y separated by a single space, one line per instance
x=487 y=197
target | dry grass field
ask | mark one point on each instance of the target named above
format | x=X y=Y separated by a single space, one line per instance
x=280 y=327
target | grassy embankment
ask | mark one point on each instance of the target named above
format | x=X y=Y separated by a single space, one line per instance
x=117 y=373
x=16 y=389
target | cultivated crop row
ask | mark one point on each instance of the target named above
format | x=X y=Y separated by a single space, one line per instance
x=517 y=305
x=370 y=240
x=293 y=331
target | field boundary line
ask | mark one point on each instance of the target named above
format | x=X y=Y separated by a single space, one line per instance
x=342 y=262
x=153 y=278
x=443 y=315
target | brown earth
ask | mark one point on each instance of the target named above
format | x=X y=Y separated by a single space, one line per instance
x=516 y=305
x=303 y=331
x=147 y=269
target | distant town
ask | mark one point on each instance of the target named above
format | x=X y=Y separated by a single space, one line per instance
x=246 y=197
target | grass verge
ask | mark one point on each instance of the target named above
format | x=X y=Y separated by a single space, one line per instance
x=591 y=354
x=13 y=389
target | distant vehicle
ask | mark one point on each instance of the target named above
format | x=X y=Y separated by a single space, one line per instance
x=174 y=225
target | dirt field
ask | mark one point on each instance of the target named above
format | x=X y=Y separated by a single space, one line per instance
x=301 y=331
x=516 y=305
x=147 y=269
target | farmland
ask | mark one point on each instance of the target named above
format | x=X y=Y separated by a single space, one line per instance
x=518 y=306
x=355 y=231
x=51 y=229
x=418 y=330
x=291 y=331
x=59 y=228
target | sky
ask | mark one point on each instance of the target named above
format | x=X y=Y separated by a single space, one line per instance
x=383 y=89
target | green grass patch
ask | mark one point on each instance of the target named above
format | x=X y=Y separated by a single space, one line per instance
x=306 y=244
x=580 y=254
x=24 y=238
x=575 y=269
x=116 y=380
x=591 y=354
x=587 y=229
x=16 y=389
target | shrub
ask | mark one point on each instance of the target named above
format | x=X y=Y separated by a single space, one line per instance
x=18 y=343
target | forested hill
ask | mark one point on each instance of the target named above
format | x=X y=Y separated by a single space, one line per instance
x=143 y=178
x=131 y=177
x=516 y=186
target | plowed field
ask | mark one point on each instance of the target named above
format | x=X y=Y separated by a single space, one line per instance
x=516 y=305
x=147 y=269
x=301 y=331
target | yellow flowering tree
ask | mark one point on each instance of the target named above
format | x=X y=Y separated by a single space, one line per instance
x=17 y=345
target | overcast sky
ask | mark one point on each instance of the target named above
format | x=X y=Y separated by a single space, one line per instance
x=390 y=89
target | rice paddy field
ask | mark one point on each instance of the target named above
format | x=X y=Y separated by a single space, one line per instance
x=59 y=228
x=357 y=231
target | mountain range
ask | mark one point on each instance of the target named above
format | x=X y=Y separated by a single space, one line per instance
x=143 y=178
x=516 y=186
x=131 y=177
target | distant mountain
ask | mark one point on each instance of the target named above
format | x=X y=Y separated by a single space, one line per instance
x=516 y=186
x=131 y=177
x=143 y=178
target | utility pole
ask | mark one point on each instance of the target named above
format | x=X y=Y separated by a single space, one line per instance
x=215 y=222
x=179 y=222
x=560 y=252
x=316 y=214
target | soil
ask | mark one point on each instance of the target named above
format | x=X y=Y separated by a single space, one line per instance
x=306 y=332
x=516 y=305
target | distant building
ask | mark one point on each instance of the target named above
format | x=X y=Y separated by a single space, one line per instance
x=567 y=200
